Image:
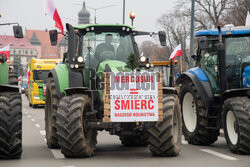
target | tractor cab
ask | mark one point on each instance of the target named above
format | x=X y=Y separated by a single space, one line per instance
x=236 y=55
x=97 y=48
x=216 y=93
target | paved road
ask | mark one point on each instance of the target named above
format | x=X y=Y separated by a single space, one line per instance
x=111 y=153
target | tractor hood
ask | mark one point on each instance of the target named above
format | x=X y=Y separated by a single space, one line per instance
x=112 y=66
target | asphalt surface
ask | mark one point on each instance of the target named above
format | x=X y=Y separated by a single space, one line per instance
x=111 y=153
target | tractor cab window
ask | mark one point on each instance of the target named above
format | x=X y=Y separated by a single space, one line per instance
x=237 y=55
x=209 y=64
x=40 y=75
x=100 y=46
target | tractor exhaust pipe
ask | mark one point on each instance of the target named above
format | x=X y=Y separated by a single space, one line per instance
x=71 y=43
x=222 y=63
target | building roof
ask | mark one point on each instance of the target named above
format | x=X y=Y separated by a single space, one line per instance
x=34 y=40
x=240 y=30
x=15 y=43
x=42 y=36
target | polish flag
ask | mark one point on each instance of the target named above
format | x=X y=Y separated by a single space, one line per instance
x=248 y=19
x=52 y=12
x=5 y=51
x=176 y=52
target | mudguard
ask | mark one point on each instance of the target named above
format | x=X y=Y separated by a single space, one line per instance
x=201 y=83
x=61 y=76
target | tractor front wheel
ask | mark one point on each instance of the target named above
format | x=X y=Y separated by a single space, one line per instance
x=194 y=117
x=165 y=136
x=75 y=139
x=51 y=102
x=236 y=122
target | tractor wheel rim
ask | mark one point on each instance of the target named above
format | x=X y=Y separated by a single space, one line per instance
x=176 y=126
x=189 y=112
x=231 y=131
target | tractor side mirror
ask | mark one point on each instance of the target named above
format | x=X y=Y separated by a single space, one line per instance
x=53 y=37
x=18 y=31
x=162 y=37
x=203 y=42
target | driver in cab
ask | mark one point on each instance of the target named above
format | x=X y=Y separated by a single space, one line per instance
x=106 y=50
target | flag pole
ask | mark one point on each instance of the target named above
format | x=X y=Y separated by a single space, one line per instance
x=181 y=63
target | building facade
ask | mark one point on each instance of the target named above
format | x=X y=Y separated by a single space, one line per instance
x=21 y=51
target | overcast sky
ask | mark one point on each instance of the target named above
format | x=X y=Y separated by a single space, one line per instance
x=31 y=13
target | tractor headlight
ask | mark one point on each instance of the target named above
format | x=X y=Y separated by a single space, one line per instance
x=80 y=59
x=76 y=65
x=71 y=65
x=151 y=65
x=147 y=65
x=143 y=59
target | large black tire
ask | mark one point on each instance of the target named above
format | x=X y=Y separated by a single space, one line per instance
x=237 y=132
x=10 y=125
x=139 y=140
x=13 y=78
x=51 y=105
x=198 y=134
x=165 y=136
x=74 y=138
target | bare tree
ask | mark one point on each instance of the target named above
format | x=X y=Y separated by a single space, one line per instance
x=237 y=12
x=154 y=51
x=208 y=13
x=177 y=27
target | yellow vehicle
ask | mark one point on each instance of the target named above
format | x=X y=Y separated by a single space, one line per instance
x=37 y=75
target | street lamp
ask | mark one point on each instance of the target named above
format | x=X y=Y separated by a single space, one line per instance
x=95 y=9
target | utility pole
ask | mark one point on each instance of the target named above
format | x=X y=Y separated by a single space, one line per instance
x=192 y=35
x=123 y=12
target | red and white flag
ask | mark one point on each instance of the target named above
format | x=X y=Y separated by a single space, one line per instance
x=176 y=52
x=248 y=19
x=52 y=12
x=5 y=51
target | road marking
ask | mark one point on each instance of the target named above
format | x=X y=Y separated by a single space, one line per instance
x=43 y=132
x=29 y=116
x=184 y=142
x=57 y=153
x=45 y=140
x=37 y=125
x=33 y=120
x=219 y=154
x=68 y=166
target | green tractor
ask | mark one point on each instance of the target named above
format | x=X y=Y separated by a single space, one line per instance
x=10 y=109
x=216 y=93
x=75 y=107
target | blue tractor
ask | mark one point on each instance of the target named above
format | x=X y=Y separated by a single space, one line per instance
x=216 y=93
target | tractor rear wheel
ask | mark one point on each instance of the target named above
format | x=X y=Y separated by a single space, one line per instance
x=10 y=125
x=138 y=140
x=165 y=136
x=51 y=102
x=236 y=123
x=74 y=138
x=194 y=117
